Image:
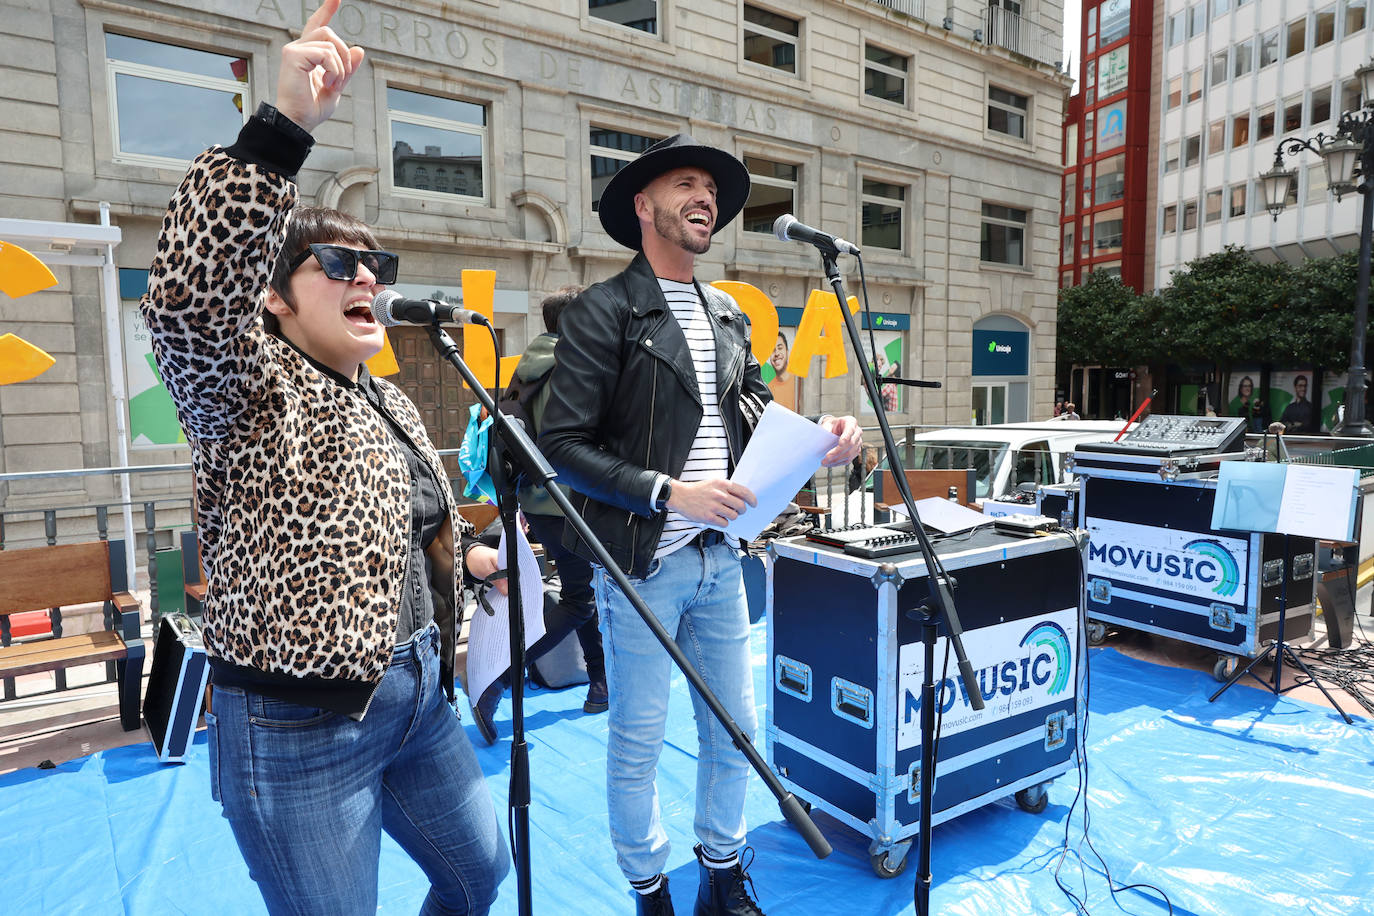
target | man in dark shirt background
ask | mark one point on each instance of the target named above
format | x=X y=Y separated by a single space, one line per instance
x=1299 y=415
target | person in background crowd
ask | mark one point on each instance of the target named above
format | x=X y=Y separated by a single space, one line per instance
x=576 y=608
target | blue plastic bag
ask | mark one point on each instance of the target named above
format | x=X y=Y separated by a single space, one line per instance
x=472 y=457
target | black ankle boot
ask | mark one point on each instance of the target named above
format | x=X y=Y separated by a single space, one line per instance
x=722 y=891
x=656 y=904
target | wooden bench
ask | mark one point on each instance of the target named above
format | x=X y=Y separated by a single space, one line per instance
x=192 y=573
x=43 y=578
x=924 y=484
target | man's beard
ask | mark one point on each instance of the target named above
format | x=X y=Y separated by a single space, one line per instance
x=670 y=226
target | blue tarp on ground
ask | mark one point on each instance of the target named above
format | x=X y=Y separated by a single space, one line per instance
x=1251 y=805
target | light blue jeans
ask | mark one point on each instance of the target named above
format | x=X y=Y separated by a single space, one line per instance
x=309 y=792
x=698 y=596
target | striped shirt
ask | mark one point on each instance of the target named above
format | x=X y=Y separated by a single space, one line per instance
x=710 y=453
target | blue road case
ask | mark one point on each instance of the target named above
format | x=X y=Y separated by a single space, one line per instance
x=1155 y=563
x=844 y=643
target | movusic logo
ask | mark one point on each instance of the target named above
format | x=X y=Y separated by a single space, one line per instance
x=1229 y=580
x=1050 y=637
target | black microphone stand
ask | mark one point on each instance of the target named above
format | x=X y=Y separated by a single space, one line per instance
x=522 y=453
x=939 y=604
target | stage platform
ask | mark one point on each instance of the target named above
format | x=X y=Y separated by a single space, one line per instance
x=1251 y=805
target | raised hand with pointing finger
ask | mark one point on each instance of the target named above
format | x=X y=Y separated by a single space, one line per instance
x=315 y=69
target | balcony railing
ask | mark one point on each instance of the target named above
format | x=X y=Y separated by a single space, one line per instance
x=994 y=26
x=1006 y=29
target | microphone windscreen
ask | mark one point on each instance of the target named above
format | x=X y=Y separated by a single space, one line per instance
x=382 y=306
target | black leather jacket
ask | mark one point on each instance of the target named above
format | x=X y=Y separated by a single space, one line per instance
x=624 y=406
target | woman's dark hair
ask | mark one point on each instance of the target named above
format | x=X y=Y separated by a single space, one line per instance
x=554 y=304
x=307 y=226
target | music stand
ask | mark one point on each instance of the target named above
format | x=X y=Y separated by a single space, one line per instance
x=1306 y=500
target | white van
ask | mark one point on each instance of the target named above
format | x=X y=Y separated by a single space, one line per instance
x=1006 y=455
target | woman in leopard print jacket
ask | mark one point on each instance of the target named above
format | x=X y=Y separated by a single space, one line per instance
x=327 y=527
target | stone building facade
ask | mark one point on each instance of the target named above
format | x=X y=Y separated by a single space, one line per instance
x=931 y=137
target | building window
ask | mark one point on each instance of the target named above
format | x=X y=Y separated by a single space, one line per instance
x=1195 y=84
x=1354 y=16
x=1190 y=215
x=1070 y=195
x=1350 y=95
x=636 y=14
x=1243 y=58
x=1264 y=123
x=1178 y=25
x=883 y=208
x=1170 y=219
x=1107 y=233
x=1175 y=98
x=771 y=39
x=885 y=74
x=1216 y=137
x=1197 y=19
x=1240 y=130
x=1321 y=106
x=1111 y=180
x=1324 y=29
x=1071 y=145
x=1089 y=134
x=1171 y=156
x=1192 y=150
x=427 y=130
x=1238 y=200
x=1292 y=114
x=156 y=85
x=772 y=192
x=1219 y=61
x=1090 y=82
x=1269 y=48
x=1297 y=37
x=1316 y=182
x=1066 y=250
x=1116 y=22
x=1007 y=112
x=610 y=150
x=1004 y=235
x=1213 y=205
x=1220 y=8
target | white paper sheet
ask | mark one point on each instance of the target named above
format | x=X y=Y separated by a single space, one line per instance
x=1319 y=502
x=943 y=515
x=489 y=634
x=783 y=453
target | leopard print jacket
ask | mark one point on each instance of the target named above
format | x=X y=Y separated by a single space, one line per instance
x=303 y=493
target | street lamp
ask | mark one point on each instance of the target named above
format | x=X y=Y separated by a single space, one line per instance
x=1349 y=157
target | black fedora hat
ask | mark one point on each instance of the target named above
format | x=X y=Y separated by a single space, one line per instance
x=617 y=207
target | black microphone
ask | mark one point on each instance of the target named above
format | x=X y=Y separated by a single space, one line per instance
x=391 y=309
x=788 y=229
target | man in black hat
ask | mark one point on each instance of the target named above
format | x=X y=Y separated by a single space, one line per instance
x=654 y=395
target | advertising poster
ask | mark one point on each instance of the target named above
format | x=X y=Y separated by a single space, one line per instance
x=1290 y=402
x=887 y=365
x=152 y=416
x=784 y=385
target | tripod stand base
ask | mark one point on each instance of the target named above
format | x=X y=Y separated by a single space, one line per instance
x=1281 y=651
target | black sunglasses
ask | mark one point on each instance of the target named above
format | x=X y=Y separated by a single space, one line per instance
x=341 y=263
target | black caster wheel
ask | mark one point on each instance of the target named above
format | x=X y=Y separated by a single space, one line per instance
x=1097 y=632
x=1224 y=667
x=1033 y=799
x=883 y=867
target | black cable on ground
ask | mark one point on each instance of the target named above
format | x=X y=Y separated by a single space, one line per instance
x=1081 y=747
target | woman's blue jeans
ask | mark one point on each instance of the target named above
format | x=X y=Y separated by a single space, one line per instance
x=698 y=595
x=309 y=792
